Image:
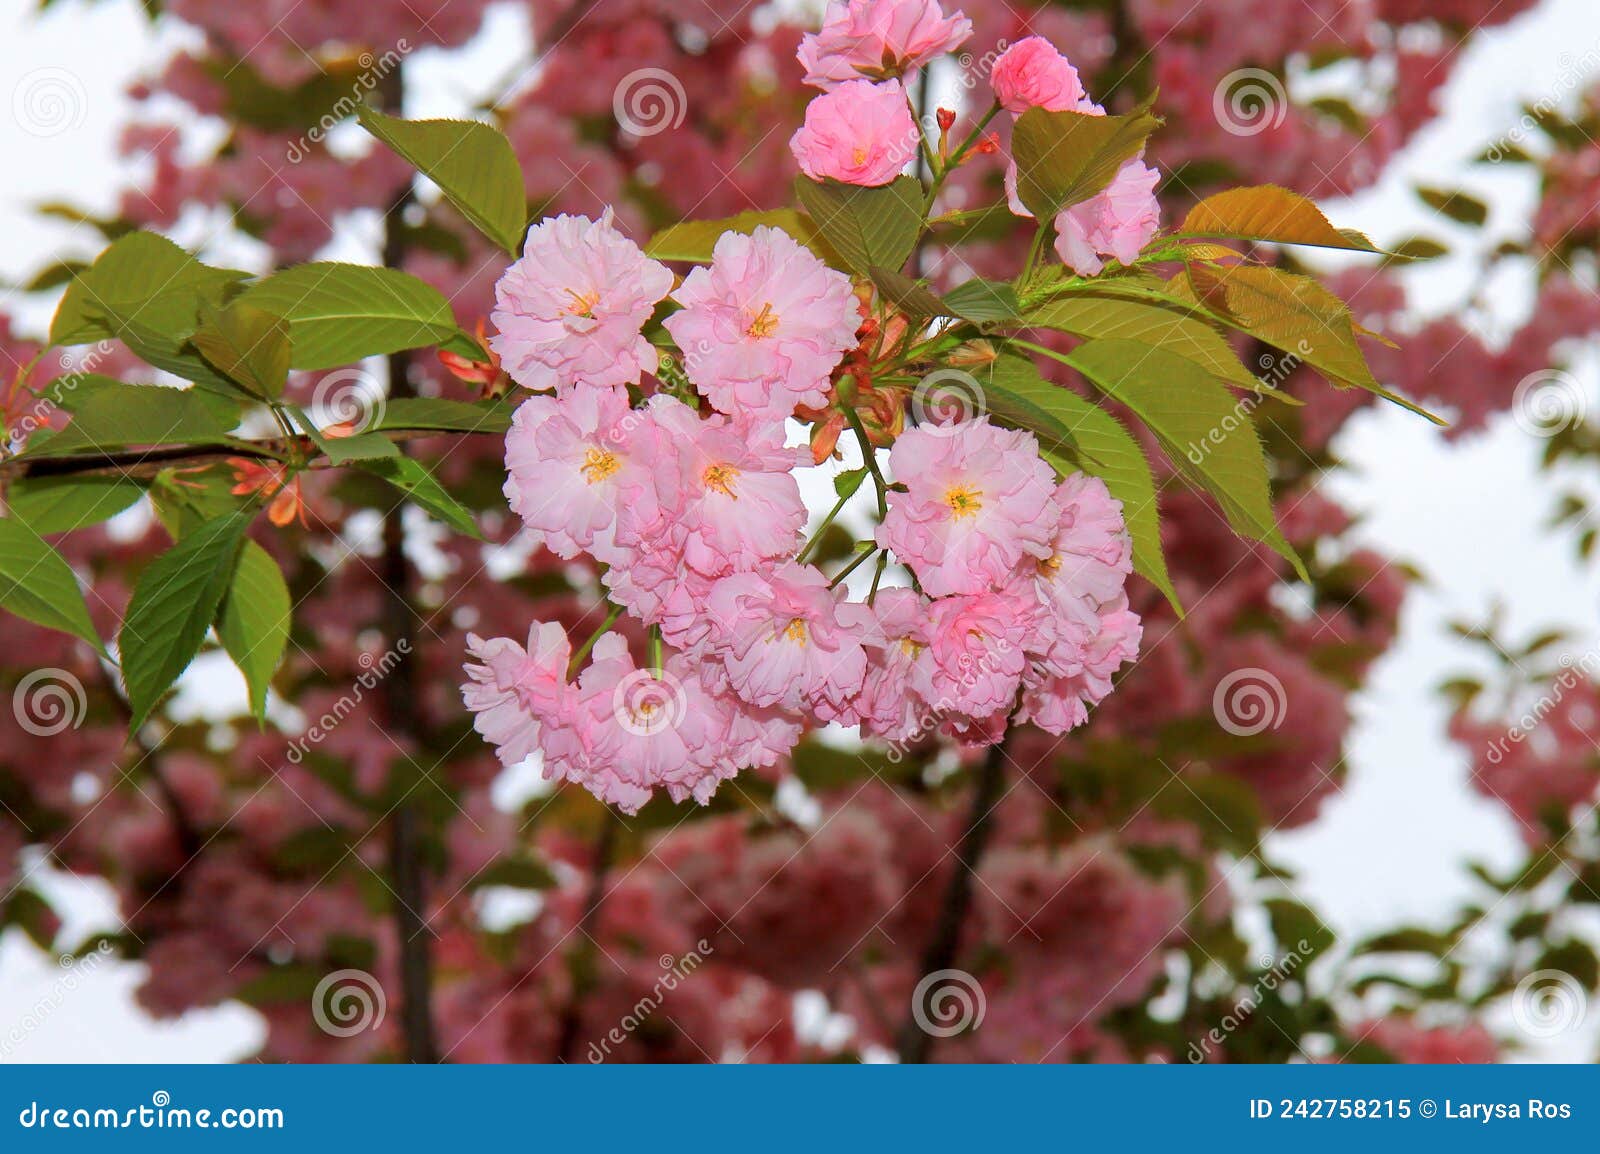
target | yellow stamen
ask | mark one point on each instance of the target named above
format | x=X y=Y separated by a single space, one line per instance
x=1051 y=565
x=964 y=501
x=796 y=631
x=721 y=478
x=910 y=647
x=598 y=464
x=582 y=303
x=765 y=322
x=859 y=156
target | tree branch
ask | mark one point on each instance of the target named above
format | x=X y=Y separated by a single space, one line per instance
x=915 y=1043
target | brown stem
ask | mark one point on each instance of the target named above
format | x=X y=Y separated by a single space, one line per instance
x=915 y=1042
x=605 y=848
x=402 y=706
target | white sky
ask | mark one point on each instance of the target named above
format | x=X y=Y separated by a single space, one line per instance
x=1389 y=848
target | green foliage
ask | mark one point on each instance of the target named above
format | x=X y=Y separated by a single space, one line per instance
x=113 y=418
x=412 y=479
x=471 y=162
x=172 y=606
x=341 y=313
x=695 y=240
x=253 y=621
x=62 y=504
x=248 y=343
x=870 y=228
x=37 y=584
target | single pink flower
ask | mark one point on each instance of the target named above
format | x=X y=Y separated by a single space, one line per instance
x=976 y=653
x=573 y=307
x=764 y=326
x=978 y=500
x=1032 y=74
x=787 y=640
x=635 y=730
x=577 y=460
x=736 y=501
x=1117 y=222
x=879 y=39
x=860 y=133
x=516 y=692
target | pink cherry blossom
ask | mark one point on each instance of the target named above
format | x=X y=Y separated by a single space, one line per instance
x=764 y=326
x=1032 y=74
x=860 y=133
x=897 y=647
x=978 y=499
x=1058 y=702
x=787 y=640
x=877 y=39
x=1117 y=222
x=516 y=690
x=574 y=461
x=572 y=308
x=976 y=653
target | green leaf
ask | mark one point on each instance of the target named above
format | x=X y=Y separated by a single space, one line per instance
x=868 y=227
x=62 y=504
x=445 y=415
x=696 y=240
x=411 y=478
x=908 y=295
x=253 y=621
x=142 y=415
x=1100 y=317
x=1455 y=204
x=980 y=300
x=249 y=344
x=142 y=279
x=37 y=584
x=173 y=604
x=1094 y=441
x=341 y=313
x=471 y=162
x=1267 y=212
x=1013 y=393
x=1064 y=158
x=1205 y=432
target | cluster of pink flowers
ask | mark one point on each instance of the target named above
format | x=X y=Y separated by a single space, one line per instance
x=862 y=130
x=696 y=520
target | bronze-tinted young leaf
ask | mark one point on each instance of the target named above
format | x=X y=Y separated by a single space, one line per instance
x=472 y=163
x=1207 y=434
x=1293 y=313
x=1067 y=157
x=1267 y=212
x=868 y=227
